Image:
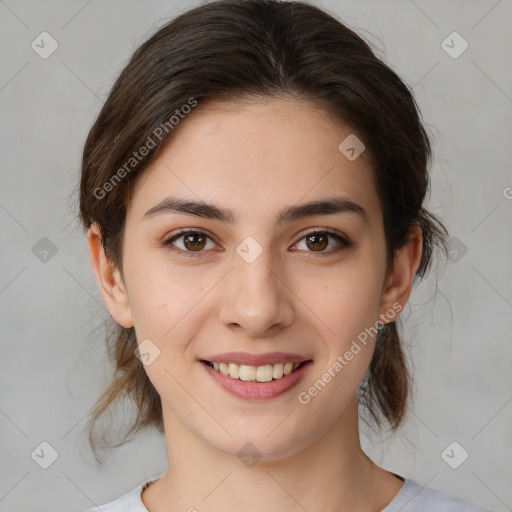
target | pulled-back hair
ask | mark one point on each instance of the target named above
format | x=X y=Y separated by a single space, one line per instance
x=233 y=50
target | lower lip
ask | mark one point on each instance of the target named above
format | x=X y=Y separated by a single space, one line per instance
x=258 y=390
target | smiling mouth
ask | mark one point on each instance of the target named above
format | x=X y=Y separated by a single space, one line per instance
x=265 y=373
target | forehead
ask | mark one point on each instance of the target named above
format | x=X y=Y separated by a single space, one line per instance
x=256 y=157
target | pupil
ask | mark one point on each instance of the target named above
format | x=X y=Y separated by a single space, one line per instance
x=315 y=237
x=194 y=245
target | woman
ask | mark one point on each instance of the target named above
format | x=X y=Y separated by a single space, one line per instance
x=253 y=192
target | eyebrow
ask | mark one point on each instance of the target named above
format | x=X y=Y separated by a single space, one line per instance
x=289 y=214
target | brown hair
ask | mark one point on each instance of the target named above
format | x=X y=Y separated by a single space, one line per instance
x=231 y=50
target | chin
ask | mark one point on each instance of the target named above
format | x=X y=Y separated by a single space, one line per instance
x=257 y=445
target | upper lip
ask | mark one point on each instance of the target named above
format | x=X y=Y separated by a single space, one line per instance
x=256 y=359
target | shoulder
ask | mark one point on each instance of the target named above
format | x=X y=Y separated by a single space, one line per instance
x=129 y=502
x=414 y=497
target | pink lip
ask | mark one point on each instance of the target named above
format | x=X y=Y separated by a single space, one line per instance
x=256 y=359
x=249 y=390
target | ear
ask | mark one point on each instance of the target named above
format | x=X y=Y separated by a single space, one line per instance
x=398 y=283
x=109 y=280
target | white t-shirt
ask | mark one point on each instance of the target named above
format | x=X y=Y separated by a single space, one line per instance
x=412 y=497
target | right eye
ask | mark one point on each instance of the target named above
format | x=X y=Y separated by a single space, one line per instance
x=192 y=241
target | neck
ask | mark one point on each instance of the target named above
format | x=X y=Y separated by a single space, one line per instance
x=332 y=473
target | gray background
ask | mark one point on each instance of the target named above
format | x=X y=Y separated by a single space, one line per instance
x=54 y=363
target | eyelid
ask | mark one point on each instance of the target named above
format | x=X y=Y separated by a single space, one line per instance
x=175 y=235
x=186 y=231
x=311 y=231
x=339 y=237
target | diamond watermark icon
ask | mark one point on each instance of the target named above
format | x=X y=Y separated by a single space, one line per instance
x=44 y=45
x=44 y=250
x=249 y=249
x=249 y=454
x=456 y=249
x=45 y=455
x=454 y=455
x=454 y=45
x=351 y=147
x=146 y=352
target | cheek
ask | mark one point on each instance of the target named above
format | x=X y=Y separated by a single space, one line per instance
x=345 y=301
x=166 y=308
x=346 y=312
x=167 y=305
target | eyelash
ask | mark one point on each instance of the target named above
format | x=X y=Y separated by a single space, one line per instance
x=345 y=243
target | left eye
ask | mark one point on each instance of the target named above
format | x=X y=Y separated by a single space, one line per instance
x=319 y=240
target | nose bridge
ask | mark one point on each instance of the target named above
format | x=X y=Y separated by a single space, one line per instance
x=258 y=299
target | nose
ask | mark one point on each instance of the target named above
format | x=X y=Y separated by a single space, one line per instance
x=256 y=298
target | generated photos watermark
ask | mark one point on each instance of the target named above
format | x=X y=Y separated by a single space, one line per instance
x=159 y=133
x=304 y=397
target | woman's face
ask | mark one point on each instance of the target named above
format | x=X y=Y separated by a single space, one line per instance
x=252 y=283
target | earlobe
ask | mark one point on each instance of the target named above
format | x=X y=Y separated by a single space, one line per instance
x=400 y=280
x=109 y=280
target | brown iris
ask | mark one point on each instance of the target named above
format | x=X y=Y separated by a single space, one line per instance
x=315 y=238
x=194 y=241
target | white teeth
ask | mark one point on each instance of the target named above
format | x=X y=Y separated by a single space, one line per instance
x=255 y=373
x=278 y=371
x=234 y=370
x=264 y=373
x=247 y=372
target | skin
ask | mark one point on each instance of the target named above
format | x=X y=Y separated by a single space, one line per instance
x=256 y=159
